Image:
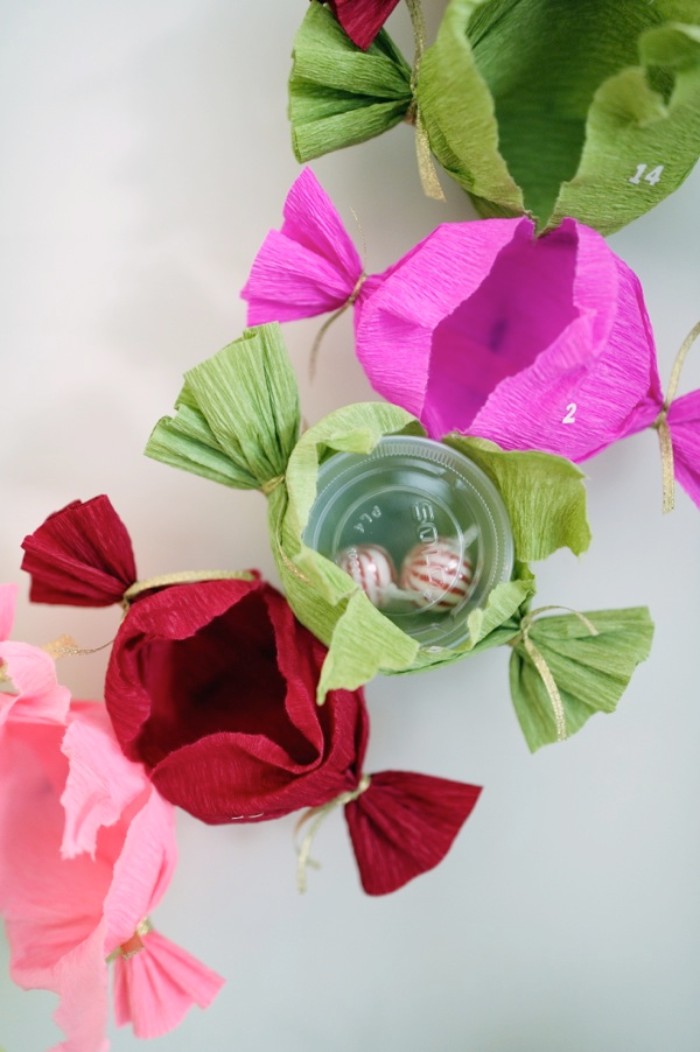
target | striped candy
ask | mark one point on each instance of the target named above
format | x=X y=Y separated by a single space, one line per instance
x=437 y=574
x=371 y=567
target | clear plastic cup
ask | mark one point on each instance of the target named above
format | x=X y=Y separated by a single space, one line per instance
x=419 y=527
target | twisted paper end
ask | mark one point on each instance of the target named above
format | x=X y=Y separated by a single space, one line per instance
x=538 y=660
x=157 y=982
x=661 y=424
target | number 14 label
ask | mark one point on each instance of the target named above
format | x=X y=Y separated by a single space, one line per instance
x=651 y=177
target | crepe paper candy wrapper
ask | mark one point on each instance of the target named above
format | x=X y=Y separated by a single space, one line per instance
x=212 y=685
x=362 y=19
x=592 y=113
x=260 y=747
x=340 y=94
x=231 y=401
x=590 y=657
x=87 y=850
x=534 y=343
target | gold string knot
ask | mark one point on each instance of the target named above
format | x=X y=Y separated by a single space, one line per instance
x=349 y=302
x=134 y=944
x=316 y=815
x=271 y=484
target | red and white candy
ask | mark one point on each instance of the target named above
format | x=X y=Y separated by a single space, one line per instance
x=371 y=567
x=437 y=574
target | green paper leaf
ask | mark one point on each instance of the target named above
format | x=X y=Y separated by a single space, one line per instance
x=591 y=671
x=544 y=496
x=338 y=94
x=586 y=110
x=237 y=416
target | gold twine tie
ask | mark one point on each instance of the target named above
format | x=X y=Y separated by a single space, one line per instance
x=426 y=166
x=538 y=660
x=184 y=577
x=133 y=945
x=316 y=815
x=63 y=646
x=661 y=422
x=318 y=340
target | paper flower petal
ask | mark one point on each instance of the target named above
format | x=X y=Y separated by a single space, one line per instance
x=590 y=671
x=80 y=556
x=404 y=824
x=154 y=989
x=308 y=267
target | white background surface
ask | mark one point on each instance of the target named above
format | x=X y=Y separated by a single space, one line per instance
x=145 y=155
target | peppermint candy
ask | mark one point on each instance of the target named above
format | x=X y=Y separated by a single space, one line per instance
x=372 y=568
x=437 y=574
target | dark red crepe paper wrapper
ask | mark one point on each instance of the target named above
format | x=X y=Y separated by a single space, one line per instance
x=81 y=556
x=212 y=685
x=362 y=19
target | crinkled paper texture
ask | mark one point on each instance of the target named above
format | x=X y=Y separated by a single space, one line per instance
x=87 y=849
x=544 y=497
x=339 y=94
x=483 y=328
x=80 y=556
x=362 y=19
x=591 y=112
x=237 y=416
x=591 y=671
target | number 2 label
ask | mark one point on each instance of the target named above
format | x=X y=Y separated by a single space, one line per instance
x=651 y=177
x=570 y=417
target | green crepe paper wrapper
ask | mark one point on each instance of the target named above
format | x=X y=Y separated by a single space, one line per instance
x=553 y=108
x=338 y=94
x=546 y=107
x=237 y=423
x=591 y=671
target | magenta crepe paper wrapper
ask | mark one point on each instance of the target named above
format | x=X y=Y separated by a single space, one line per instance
x=535 y=343
x=260 y=747
x=87 y=849
x=362 y=19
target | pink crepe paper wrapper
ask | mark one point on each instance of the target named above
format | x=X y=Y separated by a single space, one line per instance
x=80 y=556
x=362 y=19
x=534 y=343
x=38 y=696
x=87 y=849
